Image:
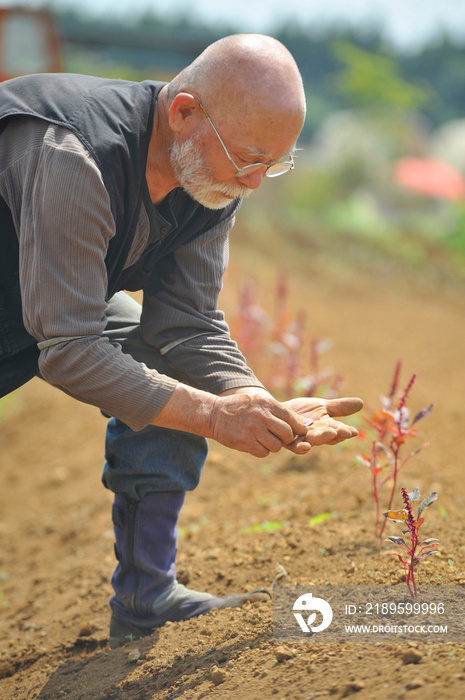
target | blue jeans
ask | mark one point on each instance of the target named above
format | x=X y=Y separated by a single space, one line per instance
x=153 y=459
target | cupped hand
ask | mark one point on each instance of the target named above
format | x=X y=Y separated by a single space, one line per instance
x=256 y=423
x=320 y=414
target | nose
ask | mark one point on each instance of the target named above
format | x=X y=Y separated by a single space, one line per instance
x=253 y=180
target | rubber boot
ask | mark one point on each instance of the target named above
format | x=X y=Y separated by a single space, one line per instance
x=147 y=593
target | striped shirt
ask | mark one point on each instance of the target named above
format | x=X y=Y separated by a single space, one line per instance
x=61 y=212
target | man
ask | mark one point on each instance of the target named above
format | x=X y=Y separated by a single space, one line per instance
x=107 y=186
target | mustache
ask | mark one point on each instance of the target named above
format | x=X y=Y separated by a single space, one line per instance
x=193 y=174
x=233 y=190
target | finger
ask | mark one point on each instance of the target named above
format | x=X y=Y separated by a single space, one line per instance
x=284 y=430
x=331 y=435
x=322 y=436
x=271 y=442
x=341 y=438
x=344 y=406
x=257 y=450
x=299 y=446
x=341 y=428
x=292 y=420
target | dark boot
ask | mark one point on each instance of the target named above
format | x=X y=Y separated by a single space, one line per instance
x=146 y=591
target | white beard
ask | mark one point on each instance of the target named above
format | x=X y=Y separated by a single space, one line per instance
x=194 y=176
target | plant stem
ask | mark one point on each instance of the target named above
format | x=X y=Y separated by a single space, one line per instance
x=397 y=440
x=414 y=538
x=395 y=450
x=376 y=497
x=374 y=472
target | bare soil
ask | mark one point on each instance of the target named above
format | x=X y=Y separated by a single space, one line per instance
x=56 y=553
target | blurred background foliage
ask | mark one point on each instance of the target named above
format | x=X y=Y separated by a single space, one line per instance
x=370 y=107
x=340 y=68
x=368 y=189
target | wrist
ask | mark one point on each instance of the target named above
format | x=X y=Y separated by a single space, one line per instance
x=188 y=409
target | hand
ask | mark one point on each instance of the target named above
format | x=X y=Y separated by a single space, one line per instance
x=250 y=420
x=256 y=423
x=323 y=430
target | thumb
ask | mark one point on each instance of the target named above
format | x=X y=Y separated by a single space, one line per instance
x=296 y=422
x=344 y=406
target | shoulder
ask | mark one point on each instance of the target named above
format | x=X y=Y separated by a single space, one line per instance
x=25 y=136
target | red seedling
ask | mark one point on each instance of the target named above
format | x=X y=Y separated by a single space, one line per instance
x=279 y=348
x=415 y=549
x=393 y=429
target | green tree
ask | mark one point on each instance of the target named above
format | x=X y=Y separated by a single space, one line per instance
x=371 y=79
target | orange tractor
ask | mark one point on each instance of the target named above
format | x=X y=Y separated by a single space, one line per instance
x=29 y=42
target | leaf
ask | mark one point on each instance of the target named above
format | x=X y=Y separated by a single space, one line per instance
x=401 y=416
x=267 y=526
x=395 y=379
x=400 y=557
x=428 y=553
x=385 y=415
x=423 y=413
x=382 y=448
x=415 y=495
x=396 y=540
x=397 y=516
x=321 y=517
x=427 y=502
x=419 y=449
x=425 y=547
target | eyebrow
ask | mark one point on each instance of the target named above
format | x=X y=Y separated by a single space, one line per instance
x=255 y=152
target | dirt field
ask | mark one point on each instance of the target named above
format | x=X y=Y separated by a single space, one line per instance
x=56 y=554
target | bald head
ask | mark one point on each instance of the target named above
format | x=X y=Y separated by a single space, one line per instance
x=244 y=75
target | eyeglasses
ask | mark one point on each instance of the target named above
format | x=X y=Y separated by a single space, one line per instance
x=273 y=170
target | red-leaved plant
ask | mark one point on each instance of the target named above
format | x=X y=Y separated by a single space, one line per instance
x=278 y=347
x=393 y=428
x=415 y=549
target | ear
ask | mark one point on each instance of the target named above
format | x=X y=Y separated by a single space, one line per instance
x=184 y=112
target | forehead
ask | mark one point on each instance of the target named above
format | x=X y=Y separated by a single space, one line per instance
x=267 y=136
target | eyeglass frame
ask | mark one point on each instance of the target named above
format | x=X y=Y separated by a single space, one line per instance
x=246 y=168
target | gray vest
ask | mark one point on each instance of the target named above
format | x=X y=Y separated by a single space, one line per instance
x=113 y=119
